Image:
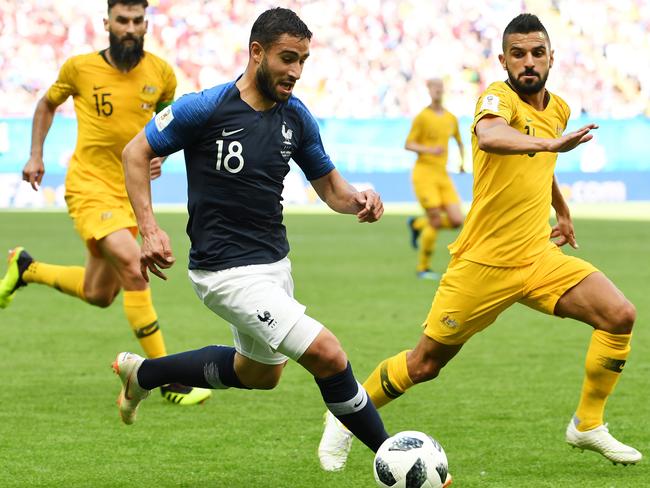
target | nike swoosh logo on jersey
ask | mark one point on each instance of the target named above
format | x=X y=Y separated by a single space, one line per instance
x=95 y=87
x=226 y=133
x=357 y=404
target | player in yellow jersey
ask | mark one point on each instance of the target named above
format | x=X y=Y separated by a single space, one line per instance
x=504 y=253
x=429 y=137
x=116 y=92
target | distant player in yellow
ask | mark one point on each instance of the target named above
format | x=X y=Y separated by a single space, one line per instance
x=429 y=138
x=504 y=255
x=116 y=92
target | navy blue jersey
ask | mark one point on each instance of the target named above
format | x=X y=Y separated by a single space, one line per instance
x=236 y=160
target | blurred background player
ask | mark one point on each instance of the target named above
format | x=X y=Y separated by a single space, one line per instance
x=238 y=138
x=504 y=255
x=434 y=189
x=115 y=93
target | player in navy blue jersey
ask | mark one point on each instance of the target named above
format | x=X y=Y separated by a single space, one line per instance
x=238 y=139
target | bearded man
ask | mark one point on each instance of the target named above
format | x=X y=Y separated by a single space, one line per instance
x=116 y=92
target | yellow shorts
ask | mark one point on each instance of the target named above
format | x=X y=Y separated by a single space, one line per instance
x=472 y=295
x=433 y=187
x=94 y=218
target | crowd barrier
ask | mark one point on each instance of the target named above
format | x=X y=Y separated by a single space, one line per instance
x=614 y=167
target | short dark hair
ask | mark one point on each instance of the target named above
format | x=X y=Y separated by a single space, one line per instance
x=112 y=3
x=524 y=24
x=270 y=25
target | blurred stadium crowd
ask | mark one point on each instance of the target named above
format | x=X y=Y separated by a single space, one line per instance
x=369 y=57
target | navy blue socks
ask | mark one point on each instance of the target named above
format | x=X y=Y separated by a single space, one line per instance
x=209 y=367
x=349 y=402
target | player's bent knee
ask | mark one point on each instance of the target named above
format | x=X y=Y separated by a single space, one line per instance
x=623 y=318
x=424 y=370
x=327 y=358
x=324 y=356
x=334 y=360
x=100 y=298
x=132 y=278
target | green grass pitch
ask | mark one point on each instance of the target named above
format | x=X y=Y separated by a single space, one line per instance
x=499 y=409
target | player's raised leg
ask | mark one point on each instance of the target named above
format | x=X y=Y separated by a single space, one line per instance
x=597 y=302
x=22 y=269
x=211 y=367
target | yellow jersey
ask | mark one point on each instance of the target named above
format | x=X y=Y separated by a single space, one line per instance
x=111 y=107
x=508 y=222
x=430 y=128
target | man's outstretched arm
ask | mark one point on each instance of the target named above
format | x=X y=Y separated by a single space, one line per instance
x=497 y=137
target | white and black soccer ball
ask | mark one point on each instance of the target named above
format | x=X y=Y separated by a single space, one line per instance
x=410 y=459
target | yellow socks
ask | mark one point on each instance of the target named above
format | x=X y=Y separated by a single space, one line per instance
x=142 y=317
x=389 y=380
x=605 y=360
x=66 y=279
x=420 y=223
x=428 y=236
x=425 y=250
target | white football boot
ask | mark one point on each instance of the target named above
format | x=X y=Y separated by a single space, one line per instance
x=602 y=442
x=126 y=366
x=335 y=444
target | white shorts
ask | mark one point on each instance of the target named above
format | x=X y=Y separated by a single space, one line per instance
x=257 y=301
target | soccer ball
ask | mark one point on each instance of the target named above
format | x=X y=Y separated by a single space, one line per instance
x=410 y=459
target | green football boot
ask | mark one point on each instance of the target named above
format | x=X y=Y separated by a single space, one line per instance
x=18 y=262
x=184 y=395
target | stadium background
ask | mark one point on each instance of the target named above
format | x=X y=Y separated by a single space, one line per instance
x=364 y=82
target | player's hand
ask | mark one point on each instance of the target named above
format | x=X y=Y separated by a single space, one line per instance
x=573 y=139
x=437 y=150
x=155 y=253
x=156 y=167
x=563 y=233
x=372 y=206
x=33 y=172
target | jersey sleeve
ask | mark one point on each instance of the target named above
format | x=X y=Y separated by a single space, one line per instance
x=310 y=154
x=64 y=86
x=169 y=88
x=176 y=126
x=494 y=101
x=416 y=130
